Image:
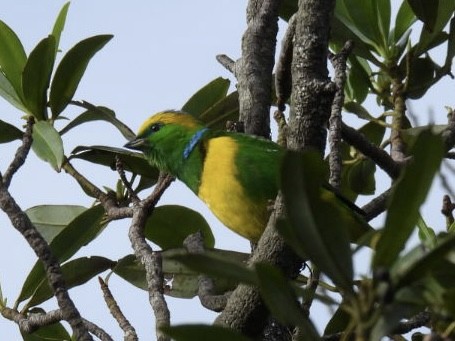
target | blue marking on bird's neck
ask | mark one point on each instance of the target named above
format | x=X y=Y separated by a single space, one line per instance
x=193 y=142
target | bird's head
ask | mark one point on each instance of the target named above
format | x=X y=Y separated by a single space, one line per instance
x=165 y=138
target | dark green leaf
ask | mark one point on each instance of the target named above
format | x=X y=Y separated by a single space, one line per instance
x=374 y=131
x=383 y=11
x=100 y=114
x=391 y=315
x=81 y=231
x=53 y=332
x=359 y=79
x=358 y=110
x=12 y=57
x=132 y=271
x=451 y=43
x=37 y=75
x=207 y=96
x=47 y=144
x=224 y=110
x=426 y=11
x=403 y=21
x=407 y=197
x=8 y=132
x=318 y=229
x=169 y=225
x=445 y=12
x=70 y=71
x=75 y=272
x=278 y=295
x=60 y=24
x=103 y=155
x=288 y=8
x=361 y=177
x=421 y=77
x=50 y=220
x=203 y=332
x=339 y=321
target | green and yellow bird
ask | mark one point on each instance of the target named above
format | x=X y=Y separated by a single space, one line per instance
x=236 y=175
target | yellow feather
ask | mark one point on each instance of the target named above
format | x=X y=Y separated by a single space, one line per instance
x=224 y=195
x=167 y=117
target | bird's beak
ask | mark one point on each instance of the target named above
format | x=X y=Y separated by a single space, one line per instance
x=137 y=144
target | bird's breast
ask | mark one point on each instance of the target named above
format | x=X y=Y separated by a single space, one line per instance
x=222 y=191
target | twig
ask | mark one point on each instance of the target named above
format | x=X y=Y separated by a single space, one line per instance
x=376 y=206
x=449 y=133
x=121 y=172
x=99 y=332
x=21 y=153
x=128 y=329
x=377 y=155
x=447 y=210
x=335 y=160
x=417 y=321
x=113 y=211
x=227 y=62
x=194 y=243
x=283 y=75
x=311 y=287
x=151 y=260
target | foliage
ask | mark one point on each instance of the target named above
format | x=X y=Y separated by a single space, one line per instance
x=385 y=63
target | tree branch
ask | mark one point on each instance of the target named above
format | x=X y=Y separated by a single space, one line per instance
x=21 y=153
x=377 y=155
x=335 y=160
x=254 y=70
x=125 y=325
x=151 y=260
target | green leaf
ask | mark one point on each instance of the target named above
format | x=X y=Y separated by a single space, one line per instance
x=103 y=155
x=421 y=77
x=50 y=220
x=8 y=132
x=278 y=295
x=47 y=144
x=451 y=43
x=287 y=9
x=9 y=94
x=70 y=71
x=407 y=197
x=217 y=265
x=339 y=321
x=59 y=24
x=426 y=40
x=81 y=231
x=75 y=272
x=417 y=263
x=358 y=110
x=203 y=332
x=426 y=11
x=361 y=177
x=363 y=21
x=169 y=225
x=403 y=21
x=36 y=77
x=318 y=229
x=426 y=233
x=185 y=282
x=99 y=113
x=358 y=80
x=12 y=57
x=52 y=332
x=224 y=110
x=207 y=96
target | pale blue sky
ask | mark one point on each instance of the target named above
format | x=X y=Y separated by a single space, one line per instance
x=162 y=52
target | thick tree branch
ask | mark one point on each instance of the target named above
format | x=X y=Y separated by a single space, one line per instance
x=151 y=260
x=254 y=69
x=312 y=92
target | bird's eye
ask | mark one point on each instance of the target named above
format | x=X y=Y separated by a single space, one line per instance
x=155 y=127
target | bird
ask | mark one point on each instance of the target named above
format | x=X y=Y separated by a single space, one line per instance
x=236 y=175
